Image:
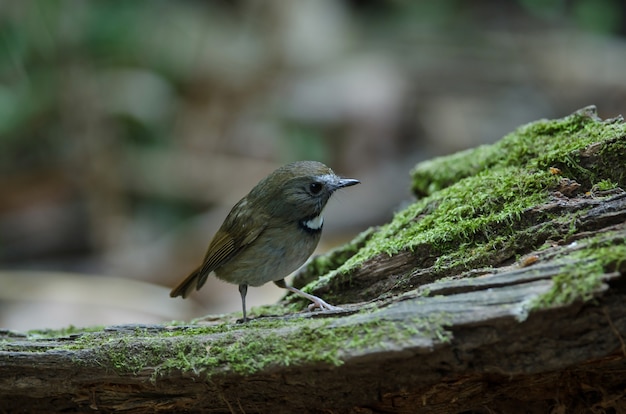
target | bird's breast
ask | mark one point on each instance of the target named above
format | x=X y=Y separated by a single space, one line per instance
x=276 y=253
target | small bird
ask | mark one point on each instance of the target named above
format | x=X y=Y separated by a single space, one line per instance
x=270 y=232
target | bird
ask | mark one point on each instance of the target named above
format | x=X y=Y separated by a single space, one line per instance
x=270 y=232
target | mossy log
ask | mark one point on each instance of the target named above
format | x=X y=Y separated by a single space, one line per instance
x=500 y=290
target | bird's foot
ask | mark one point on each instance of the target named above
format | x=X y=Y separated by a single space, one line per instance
x=317 y=302
x=320 y=304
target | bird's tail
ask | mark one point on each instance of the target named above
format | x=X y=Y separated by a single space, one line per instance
x=194 y=281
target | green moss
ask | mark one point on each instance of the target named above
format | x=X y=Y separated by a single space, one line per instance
x=538 y=145
x=476 y=204
x=309 y=341
x=273 y=310
x=584 y=272
x=132 y=351
x=63 y=332
x=605 y=185
x=246 y=349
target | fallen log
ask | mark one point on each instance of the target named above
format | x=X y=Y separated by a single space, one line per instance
x=500 y=289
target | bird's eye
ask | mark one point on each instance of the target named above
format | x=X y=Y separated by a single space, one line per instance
x=315 y=188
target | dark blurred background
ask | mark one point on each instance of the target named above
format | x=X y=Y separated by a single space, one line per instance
x=129 y=128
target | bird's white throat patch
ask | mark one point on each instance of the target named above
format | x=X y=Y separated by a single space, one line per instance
x=315 y=223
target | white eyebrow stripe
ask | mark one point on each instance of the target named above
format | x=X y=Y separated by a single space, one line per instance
x=327 y=178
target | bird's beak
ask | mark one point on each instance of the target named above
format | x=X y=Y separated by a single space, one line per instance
x=346 y=182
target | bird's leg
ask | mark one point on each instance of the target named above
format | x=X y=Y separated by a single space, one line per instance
x=317 y=302
x=243 y=289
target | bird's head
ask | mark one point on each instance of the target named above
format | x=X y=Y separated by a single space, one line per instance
x=299 y=190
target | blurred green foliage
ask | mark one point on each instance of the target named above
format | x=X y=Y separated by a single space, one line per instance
x=87 y=86
x=601 y=16
x=47 y=46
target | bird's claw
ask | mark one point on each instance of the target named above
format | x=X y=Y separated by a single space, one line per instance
x=323 y=306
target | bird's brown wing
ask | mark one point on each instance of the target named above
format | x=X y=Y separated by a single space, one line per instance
x=240 y=228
